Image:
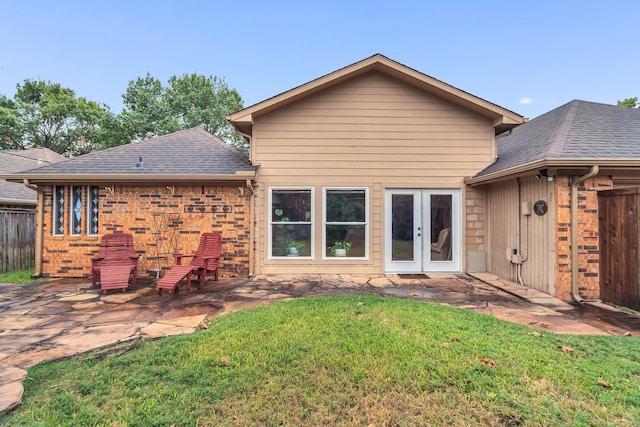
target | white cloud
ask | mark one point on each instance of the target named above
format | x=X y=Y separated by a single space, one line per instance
x=525 y=100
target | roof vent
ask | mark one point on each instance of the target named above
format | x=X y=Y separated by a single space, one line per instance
x=139 y=165
x=40 y=162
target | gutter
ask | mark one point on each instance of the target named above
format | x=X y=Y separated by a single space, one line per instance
x=575 y=292
x=128 y=178
x=611 y=163
x=37 y=268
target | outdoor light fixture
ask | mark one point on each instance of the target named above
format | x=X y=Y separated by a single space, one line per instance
x=544 y=173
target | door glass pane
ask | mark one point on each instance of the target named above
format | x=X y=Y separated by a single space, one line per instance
x=441 y=209
x=402 y=227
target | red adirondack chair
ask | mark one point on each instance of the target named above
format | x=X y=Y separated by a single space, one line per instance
x=205 y=260
x=115 y=262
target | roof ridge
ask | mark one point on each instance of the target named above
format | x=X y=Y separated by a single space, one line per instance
x=558 y=137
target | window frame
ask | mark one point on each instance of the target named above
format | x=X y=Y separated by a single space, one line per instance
x=57 y=216
x=72 y=210
x=89 y=211
x=366 y=223
x=310 y=223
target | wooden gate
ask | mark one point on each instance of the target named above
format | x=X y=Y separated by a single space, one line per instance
x=17 y=239
x=619 y=216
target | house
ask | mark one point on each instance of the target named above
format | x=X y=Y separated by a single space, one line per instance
x=373 y=168
x=164 y=191
x=17 y=208
x=16 y=195
x=374 y=154
x=548 y=198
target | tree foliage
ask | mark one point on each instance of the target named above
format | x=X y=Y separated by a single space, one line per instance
x=45 y=114
x=629 y=102
x=151 y=109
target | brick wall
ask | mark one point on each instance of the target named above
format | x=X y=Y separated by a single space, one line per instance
x=162 y=219
x=588 y=239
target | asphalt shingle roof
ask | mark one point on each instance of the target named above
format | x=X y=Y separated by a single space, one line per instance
x=188 y=152
x=576 y=130
x=18 y=160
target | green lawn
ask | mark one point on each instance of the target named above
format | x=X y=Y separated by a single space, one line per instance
x=19 y=277
x=352 y=361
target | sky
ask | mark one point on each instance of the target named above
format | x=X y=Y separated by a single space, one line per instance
x=527 y=56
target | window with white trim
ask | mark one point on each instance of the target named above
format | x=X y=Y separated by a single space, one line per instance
x=345 y=222
x=58 y=210
x=93 y=209
x=76 y=210
x=291 y=222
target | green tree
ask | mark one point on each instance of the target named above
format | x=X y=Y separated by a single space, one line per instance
x=151 y=109
x=629 y=102
x=45 y=114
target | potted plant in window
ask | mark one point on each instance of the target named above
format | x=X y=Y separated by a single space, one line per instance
x=340 y=248
x=293 y=248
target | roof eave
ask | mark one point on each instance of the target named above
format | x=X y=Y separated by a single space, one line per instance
x=8 y=201
x=502 y=118
x=552 y=163
x=128 y=178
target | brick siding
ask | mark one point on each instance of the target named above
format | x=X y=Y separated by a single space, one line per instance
x=588 y=238
x=147 y=212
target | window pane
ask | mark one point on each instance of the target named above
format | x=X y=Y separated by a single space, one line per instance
x=58 y=210
x=93 y=196
x=76 y=210
x=345 y=206
x=353 y=235
x=286 y=236
x=291 y=206
x=402 y=232
x=441 y=208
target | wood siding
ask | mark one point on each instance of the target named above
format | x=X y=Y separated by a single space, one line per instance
x=533 y=235
x=372 y=131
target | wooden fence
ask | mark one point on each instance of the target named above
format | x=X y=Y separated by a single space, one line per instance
x=619 y=227
x=17 y=239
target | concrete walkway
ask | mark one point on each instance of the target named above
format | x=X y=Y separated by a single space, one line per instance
x=66 y=317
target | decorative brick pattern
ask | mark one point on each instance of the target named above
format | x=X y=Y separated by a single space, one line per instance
x=139 y=210
x=588 y=238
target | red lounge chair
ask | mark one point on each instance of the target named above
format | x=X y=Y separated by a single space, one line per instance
x=206 y=259
x=115 y=262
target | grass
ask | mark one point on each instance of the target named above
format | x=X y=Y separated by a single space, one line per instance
x=356 y=360
x=21 y=277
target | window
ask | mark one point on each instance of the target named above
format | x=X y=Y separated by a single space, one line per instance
x=76 y=210
x=291 y=219
x=93 y=208
x=58 y=210
x=345 y=222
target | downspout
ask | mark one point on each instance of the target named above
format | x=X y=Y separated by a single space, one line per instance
x=251 y=226
x=37 y=268
x=522 y=254
x=575 y=292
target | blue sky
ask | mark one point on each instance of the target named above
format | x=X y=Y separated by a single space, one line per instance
x=527 y=56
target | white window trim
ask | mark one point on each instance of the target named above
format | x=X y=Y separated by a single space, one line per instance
x=270 y=224
x=366 y=224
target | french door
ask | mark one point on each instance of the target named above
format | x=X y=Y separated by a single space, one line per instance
x=422 y=230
